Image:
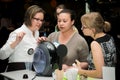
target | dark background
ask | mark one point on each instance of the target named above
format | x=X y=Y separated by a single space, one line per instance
x=14 y=11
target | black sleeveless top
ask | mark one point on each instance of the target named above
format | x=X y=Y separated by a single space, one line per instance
x=109 y=51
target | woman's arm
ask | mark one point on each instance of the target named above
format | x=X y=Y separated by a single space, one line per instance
x=98 y=60
x=11 y=43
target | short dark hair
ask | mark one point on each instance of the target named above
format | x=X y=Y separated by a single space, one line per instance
x=71 y=12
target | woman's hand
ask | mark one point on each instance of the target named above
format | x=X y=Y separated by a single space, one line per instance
x=40 y=39
x=19 y=37
x=81 y=65
x=59 y=74
x=77 y=64
x=66 y=67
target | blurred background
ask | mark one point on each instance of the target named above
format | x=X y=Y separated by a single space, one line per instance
x=12 y=15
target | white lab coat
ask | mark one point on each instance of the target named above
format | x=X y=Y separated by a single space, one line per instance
x=20 y=52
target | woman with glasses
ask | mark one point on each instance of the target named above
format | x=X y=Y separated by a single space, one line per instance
x=22 y=42
x=103 y=50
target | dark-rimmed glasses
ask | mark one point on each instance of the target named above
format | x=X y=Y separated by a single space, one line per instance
x=37 y=19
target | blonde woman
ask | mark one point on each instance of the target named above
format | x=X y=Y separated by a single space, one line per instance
x=103 y=50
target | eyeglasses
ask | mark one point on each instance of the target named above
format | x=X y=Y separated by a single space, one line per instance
x=37 y=19
x=84 y=27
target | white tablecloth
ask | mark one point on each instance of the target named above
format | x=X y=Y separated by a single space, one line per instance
x=18 y=75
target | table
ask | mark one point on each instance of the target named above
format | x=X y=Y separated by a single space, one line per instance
x=18 y=75
x=108 y=74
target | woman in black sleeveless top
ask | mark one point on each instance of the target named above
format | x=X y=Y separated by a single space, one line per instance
x=103 y=50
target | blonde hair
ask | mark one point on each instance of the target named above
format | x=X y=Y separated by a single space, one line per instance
x=95 y=20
